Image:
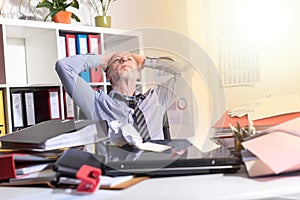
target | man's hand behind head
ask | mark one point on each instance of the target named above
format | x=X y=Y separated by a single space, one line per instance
x=140 y=59
x=105 y=58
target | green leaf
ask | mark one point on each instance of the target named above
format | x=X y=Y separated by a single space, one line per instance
x=46 y=4
x=75 y=17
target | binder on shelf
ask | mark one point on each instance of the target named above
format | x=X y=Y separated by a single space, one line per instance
x=82 y=48
x=69 y=106
x=17 y=110
x=47 y=104
x=29 y=108
x=62 y=51
x=94 y=44
x=70 y=45
x=2 y=114
x=94 y=47
x=96 y=74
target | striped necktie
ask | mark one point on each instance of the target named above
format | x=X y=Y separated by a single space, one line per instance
x=139 y=119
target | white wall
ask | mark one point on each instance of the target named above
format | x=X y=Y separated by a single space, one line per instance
x=275 y=25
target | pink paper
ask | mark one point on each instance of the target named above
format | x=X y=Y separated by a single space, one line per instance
x=278 y=150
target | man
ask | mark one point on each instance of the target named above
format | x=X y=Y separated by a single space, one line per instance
x=122 y=103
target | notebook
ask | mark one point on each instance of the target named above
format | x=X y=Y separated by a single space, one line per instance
x=182 y=159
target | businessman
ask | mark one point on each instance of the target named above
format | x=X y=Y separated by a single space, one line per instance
x=124 y=103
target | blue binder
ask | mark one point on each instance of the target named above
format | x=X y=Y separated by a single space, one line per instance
x=82 y=48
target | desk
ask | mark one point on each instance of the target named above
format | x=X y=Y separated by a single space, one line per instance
x=217 y=186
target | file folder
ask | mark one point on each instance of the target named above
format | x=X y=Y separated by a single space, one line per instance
x=70 y=45
x=53 y=134
x=47 y=104
x=94 y=45
x=2 y=114
x=29 y=108
x=69 y=106
x=62 y=51
x=10 y=163
x=82 y=48
x=17 y=110
x=96 y=74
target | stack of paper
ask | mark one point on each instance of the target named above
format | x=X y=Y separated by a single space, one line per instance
x=268 y=107
x=275 y=150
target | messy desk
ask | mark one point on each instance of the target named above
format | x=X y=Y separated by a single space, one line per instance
x=234 y=184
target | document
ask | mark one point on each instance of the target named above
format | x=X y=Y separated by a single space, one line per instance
x=133 y=138
x=86 y=135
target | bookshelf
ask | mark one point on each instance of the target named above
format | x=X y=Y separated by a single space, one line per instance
x=29 y=50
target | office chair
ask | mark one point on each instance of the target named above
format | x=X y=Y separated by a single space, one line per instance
x=166 y=127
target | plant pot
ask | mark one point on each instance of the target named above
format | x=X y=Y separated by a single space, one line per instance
x=103 y=21
x=63 y=17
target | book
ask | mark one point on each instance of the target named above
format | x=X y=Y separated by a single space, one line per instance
x=55 y=134
x=2 y=114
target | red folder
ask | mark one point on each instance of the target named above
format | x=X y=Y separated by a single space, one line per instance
x=10 y=163
x=70 y=44
x=96 y=74
x=94 y=44
x=224 y=121
x=7 y=167
x=47 y=103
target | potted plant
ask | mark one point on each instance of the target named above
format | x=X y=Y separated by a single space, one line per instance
x=101 y=8
x=57 y=10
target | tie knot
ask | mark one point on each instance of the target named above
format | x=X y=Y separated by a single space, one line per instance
x=132 y=103
x=140 y=96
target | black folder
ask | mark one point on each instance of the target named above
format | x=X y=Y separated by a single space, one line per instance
x=35 y=137
x=72 y=159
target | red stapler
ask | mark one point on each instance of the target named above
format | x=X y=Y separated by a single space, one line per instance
x=90 y=179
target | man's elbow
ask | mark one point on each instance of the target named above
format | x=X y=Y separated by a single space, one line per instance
x=59 y=65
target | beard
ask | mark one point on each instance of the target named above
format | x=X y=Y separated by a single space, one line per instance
x=124 y=75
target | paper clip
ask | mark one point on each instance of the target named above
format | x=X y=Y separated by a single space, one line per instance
x=90 y=179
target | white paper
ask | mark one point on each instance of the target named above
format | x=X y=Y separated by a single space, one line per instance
x=86 y=135
x=30 y=113
x=113 y=181
x=54 y=105
x=17 y=109
x=268 y=107
x=133 y=138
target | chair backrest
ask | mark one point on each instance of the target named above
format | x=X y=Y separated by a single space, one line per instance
x=166 y=127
